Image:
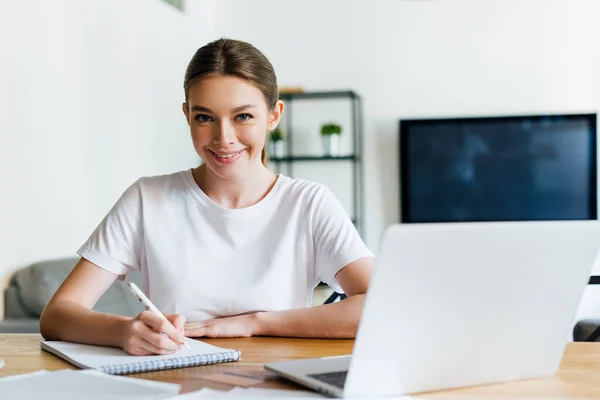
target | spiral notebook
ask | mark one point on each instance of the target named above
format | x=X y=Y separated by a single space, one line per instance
x=116 y=361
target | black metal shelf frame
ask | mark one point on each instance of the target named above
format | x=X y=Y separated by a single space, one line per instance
x=357 y=142
x=351 y=157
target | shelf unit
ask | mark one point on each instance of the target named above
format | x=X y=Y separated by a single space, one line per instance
x=354 y=158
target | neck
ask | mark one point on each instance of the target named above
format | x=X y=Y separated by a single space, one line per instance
x=235 y=193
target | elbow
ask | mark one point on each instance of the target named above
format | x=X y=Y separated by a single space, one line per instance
x=358 y=312
x=47 y=328
x=354 y=328
x=350 y=331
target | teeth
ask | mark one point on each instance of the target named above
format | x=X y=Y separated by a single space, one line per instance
x=230 y=155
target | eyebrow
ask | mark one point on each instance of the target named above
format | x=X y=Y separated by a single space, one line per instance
x=235 y=110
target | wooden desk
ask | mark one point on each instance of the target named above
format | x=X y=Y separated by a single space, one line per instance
x=578 y=377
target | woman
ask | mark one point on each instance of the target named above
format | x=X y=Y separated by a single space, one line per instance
x=228 y=246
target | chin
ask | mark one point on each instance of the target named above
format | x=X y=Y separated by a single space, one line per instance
x=228 y=171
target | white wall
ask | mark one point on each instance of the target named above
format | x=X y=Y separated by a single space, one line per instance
x=90 y=99
x=425 y=58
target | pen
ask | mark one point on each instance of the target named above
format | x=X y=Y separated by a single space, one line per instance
x=142 y=297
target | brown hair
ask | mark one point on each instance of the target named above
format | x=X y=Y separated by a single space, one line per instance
x=235 y=58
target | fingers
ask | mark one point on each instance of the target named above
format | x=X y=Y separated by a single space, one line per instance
x=151 y=348
x=194 y=329
x=196 y=332
x=144 y=341
x=148 y=333
x=177 y=320
x=159 y=344
x=144 y=348
x=199 y=329
x=155 y=342
x=162 y=326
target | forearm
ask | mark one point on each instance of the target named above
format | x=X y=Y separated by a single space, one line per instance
x=336 y=320
x=69 y=321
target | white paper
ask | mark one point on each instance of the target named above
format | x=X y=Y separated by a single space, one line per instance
x=264 y=392
x=167 y=387
x=249 y=393
x=23 y=376
x=200 y=394
x=77 y=384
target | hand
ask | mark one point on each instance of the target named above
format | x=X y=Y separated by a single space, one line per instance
x=227 y=327
x=148 y=334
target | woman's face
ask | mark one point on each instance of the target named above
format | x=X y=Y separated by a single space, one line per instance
x=229 y=119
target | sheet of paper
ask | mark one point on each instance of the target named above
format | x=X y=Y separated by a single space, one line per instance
x=23 y=376
x=167 y=387
x=203 y=393
x=71 y=385
x=264 y=392
x=249 y=393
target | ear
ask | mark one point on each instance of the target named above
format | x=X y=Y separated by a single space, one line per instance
x=275 y=115
x=184 y=107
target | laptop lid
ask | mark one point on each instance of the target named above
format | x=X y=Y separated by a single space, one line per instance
x=454 y=305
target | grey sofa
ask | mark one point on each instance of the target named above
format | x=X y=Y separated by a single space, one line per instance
x=30 y=289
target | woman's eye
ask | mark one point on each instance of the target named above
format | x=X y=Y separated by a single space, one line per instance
x=244 y=117
x=202 y=118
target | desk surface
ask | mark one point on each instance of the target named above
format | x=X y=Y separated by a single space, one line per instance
x=577 y=378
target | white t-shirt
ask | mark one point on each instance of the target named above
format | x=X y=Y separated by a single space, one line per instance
x=202 y=260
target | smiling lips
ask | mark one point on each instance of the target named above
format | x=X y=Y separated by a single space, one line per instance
x=226 y=157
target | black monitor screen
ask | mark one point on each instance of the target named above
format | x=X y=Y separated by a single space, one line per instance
x=498 y=169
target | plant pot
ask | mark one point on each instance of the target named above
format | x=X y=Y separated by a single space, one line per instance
x=276 y=149
x=331 y=145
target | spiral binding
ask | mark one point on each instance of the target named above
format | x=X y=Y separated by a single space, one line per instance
x=170 y=363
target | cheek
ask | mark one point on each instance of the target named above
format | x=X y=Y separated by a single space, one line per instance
x=251 y=135
x=248 y=136
x=202 y=134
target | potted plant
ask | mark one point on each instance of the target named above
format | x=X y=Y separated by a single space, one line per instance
x=330 y=132
x=276 y=143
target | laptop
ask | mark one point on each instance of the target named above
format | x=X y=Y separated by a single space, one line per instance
x=461 y=304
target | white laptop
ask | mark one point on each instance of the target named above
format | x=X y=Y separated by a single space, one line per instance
x=455 y=305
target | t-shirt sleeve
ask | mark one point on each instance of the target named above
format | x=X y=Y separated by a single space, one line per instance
x=116 y=243
x=337 y=242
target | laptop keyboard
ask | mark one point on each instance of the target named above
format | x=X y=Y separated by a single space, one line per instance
x=336 y=379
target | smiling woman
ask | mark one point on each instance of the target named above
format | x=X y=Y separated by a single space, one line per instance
x=226 y=248
x=232 y=130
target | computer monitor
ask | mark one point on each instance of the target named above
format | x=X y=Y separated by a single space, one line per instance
x=510 y=168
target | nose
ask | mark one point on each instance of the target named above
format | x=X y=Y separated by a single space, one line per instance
x=225 y=134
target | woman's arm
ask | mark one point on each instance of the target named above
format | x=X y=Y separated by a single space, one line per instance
x=69 y=316
x=336 y=320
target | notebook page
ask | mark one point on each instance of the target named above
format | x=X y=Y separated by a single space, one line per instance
x=90 y=356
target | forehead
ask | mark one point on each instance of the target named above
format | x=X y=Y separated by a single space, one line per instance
x=224 y=92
